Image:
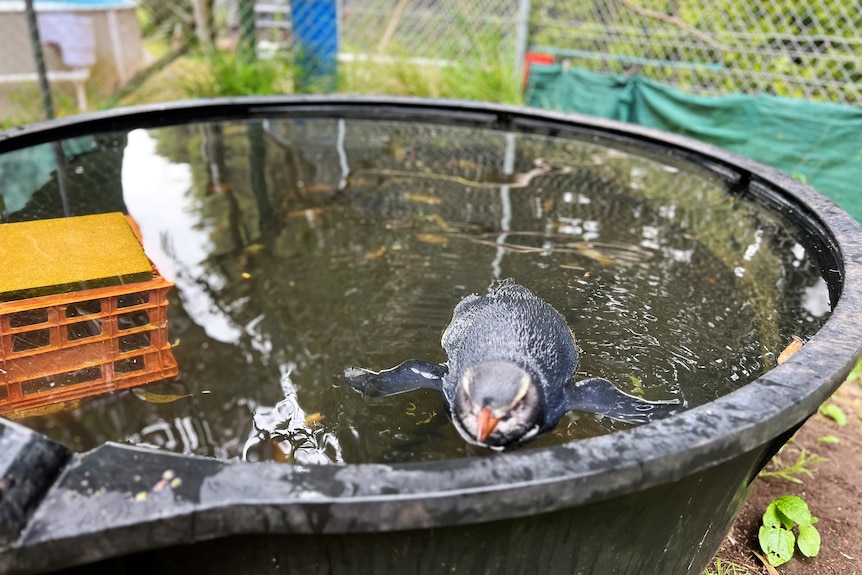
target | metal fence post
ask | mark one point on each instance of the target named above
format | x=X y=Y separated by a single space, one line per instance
x=316 y=42
x=47 y=103
x=36 y=43
x=247 y=46
x=523 y=36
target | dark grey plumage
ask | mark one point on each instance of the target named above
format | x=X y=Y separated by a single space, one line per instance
x=511 y=324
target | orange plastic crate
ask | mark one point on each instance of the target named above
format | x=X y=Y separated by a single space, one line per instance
x=63 y=347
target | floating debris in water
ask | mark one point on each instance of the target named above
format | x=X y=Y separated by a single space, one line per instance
x=423 y=199
x=592 y=253
x=435 y=239
x=398 y=152
x=151 y=397
x=424 y=417
x=791 y=349
x=313 y=419
x=44 y=410
x=360 y=182
x=637 y=386
x=441 y=223
x=318 y=189
x=516 y=180
x=375 y=254
x=591 y=250
x=308 y=213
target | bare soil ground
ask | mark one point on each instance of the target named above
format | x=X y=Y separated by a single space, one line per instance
x=834 y=494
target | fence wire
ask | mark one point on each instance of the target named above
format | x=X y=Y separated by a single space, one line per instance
x=97 y=49
x=436 y=29
x=796 y=48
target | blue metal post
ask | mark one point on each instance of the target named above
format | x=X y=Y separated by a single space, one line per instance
x=315 y=36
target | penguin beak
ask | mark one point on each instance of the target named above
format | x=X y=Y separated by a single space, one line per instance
x=485 y=424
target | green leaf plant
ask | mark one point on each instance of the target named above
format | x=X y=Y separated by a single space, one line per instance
x=776 y=535
x=834 y=413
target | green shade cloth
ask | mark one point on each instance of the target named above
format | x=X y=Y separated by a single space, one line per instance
x=819 y=143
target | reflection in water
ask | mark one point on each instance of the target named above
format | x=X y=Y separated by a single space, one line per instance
x=323 y=243
x=815 y=299
x=172 y=237
x=50 y=181
x=293 y=435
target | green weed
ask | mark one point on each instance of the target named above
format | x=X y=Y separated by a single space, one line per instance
x=227 y=74
x=485 y=72
x=776 y=535
x=791 y=472
x=720 y=567
x=834 y=413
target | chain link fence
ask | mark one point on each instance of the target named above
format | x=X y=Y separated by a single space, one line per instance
x=796 y=48
x=434 y=29
x=85 y=50
x=96 y=52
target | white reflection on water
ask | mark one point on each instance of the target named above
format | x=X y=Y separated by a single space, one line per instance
x=158 y=195
x=815 y=300
x=291 y=430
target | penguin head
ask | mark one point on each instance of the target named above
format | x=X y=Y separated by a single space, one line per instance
x=497 y=404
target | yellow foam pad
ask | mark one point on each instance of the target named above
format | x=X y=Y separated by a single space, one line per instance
x=62 y=255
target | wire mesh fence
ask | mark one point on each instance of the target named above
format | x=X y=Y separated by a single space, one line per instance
x=67 y=54
x=444 y=29
x=93 y=48
x=97 y=50
x=797 y=48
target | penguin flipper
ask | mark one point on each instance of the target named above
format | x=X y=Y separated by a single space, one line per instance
x=600 y=396
x=407 y=376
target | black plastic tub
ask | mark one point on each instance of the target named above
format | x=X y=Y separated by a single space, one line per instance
x=658 y=498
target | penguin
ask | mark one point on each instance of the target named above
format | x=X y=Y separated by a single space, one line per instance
x=509 y=376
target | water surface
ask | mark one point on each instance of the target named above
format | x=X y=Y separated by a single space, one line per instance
x=305 y=246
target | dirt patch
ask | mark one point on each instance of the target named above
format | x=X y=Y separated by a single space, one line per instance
x=834 y=494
